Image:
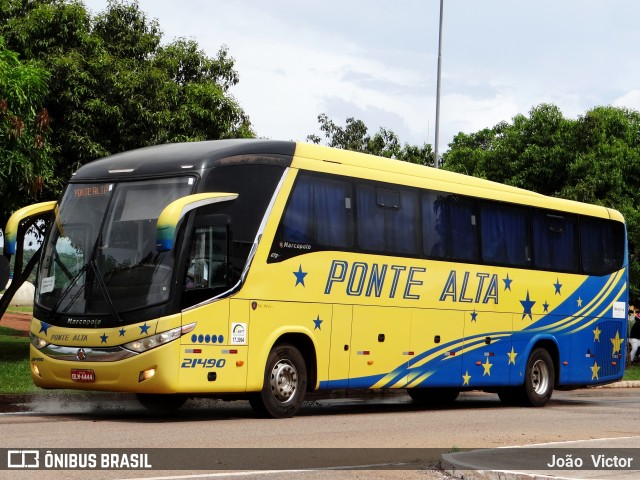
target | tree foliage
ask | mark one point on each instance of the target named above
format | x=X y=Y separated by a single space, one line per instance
x=25 y=150
x=385 y=143
x=594 y=158
x=114 y=86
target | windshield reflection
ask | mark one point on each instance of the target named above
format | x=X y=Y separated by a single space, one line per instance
x=100 y=256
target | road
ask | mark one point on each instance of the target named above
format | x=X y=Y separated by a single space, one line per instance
x=358 y=422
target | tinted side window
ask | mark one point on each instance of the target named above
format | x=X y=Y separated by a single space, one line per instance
x=387 y=220
x=449 y=227
x=462 y=229
x=318 y=213
x=602 y=245
x=555 y=243
x=504 y=234
x=434 y=224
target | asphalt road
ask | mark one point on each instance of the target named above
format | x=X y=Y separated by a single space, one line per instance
x=371 y=430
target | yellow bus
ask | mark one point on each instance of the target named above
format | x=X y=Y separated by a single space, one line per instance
x=271 y=269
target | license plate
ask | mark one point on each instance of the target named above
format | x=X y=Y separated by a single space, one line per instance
x=81 y=375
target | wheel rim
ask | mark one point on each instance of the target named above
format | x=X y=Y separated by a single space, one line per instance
x=540 y=377
x=284 y=381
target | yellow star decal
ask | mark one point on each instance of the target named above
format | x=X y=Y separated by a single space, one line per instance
x=596 y=334
x=512 y=356
x=616 y=341
x=579 y=302
x=594 y=371
x=487 y=367
x=466 y=377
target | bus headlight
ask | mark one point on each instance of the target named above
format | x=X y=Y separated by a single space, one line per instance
x=37 y=342
x=144 y=344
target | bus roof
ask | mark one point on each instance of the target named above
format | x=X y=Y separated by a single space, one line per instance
x=196 y=157
x=172 y=158
x=325 y=159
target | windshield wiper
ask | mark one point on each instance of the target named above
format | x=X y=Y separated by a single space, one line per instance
x=66 y=291
x=103 y=288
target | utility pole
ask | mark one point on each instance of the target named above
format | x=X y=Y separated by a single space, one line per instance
x=436 y=153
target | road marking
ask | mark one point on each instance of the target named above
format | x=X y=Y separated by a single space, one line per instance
x=266 y=472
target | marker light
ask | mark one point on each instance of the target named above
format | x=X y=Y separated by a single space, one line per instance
x=146 y=374
x=37 y=342
x=148 y=343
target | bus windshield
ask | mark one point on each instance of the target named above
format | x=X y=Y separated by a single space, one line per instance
x=100 y=256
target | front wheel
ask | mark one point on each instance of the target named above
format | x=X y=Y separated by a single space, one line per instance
x=285 y=383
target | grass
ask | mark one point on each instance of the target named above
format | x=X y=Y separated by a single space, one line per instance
x=632 y=373
x=15 y=375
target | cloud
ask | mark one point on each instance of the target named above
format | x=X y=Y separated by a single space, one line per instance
x=631 y=100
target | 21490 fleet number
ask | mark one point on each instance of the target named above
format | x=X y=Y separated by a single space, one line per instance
x=203 y=363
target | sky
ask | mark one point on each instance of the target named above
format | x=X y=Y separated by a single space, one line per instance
x=377 y=60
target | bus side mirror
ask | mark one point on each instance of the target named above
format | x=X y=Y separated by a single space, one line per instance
x=173 y=213
x=11 y=230
x=4 y=272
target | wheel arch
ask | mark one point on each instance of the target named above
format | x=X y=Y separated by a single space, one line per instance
x=308 y=350
x=551 y=346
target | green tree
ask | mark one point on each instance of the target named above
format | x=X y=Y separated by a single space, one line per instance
x=25 y=151
x=355 y=136
x=529 y=153
x=594 y=159
x=114 y=87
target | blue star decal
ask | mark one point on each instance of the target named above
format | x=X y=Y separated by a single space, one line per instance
x=558 y=286
x=317 y=322
x=527 y=304
x=103 y=338
x=300 y=277
x=122 y=332
x=144 y=329
x=507 y=283
x=545 y=305
x=44 y=327
x=474 y=316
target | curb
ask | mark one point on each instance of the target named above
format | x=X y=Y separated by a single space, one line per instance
x=622 y=384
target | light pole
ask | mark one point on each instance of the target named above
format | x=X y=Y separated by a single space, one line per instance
x=438 y=86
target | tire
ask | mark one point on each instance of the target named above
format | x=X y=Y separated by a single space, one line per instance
x=433 y=396
x=161 y=404
x=285 y=383
x=539 y=378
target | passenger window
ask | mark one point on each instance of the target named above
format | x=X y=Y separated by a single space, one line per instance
x=462 y=229
x=504 y=234
x=387 y=220
x=602 y=243
x=555 y=245
x=450 y=229
x=318 y=213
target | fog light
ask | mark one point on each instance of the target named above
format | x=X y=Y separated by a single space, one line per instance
x=146 y=374
x=36 y=370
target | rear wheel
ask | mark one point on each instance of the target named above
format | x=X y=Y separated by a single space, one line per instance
x=539 y=378
x=285 y=383
x=433 y=396
x=538 y=382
